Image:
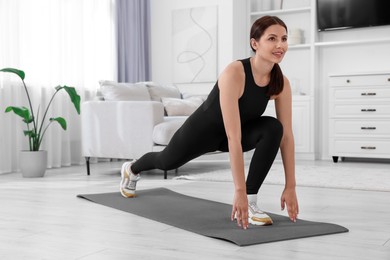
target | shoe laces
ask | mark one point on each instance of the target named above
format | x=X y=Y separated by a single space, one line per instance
x=133 y=182
x=254 y=207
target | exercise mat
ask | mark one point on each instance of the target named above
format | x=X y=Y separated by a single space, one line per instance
x=209 y=218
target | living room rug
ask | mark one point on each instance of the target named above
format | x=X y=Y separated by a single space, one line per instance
x=209 y=218
x=342 y=175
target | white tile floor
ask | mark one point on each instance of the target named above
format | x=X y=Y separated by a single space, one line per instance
x=43 y=219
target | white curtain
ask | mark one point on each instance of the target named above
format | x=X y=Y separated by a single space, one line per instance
x=55 y=42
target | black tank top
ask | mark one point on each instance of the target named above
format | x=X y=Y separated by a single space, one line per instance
x=252 y=103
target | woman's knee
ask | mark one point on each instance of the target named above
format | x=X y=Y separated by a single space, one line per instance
x=265 y=130
x=274 y=127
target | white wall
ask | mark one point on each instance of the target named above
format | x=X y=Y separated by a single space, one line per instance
x=232 y=37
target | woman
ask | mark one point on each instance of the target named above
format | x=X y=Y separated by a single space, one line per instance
x=230 y=120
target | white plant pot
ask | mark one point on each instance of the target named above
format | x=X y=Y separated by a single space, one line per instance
x=33 y=163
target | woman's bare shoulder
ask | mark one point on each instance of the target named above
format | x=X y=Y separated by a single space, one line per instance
x=232 y=79
x=233 y=72
x=235 y=66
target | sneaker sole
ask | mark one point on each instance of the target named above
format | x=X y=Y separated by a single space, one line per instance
x=127 y=194
x=260 y=223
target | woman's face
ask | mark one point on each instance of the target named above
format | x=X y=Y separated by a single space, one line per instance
x=272 y=45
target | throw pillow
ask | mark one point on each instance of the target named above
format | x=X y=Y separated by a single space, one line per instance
x=186 y=95
x=114 y=91
x=159 y=91
x=181 y=107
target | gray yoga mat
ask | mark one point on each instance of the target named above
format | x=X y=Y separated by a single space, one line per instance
x=209 y=218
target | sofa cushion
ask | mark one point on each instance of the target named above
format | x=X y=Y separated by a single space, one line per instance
x=181 y=107
x=186 y=95
x=158 y=91
x=163 y=132
x=114 y=91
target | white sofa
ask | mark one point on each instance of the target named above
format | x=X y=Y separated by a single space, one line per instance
x=129 y=120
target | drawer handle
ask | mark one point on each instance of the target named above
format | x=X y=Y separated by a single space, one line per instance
x=368 y=128
x=369 y=94
x=368 y=110
x=368 y=147
x=348 y=81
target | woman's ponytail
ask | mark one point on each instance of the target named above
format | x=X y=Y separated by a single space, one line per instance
x=276 y=82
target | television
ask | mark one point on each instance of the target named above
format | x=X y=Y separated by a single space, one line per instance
x=344 y=14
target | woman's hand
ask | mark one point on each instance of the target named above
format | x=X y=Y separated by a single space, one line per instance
x=240 y=209
x=289 y=198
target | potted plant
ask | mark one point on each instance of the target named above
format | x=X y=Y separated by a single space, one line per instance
x=33 y=162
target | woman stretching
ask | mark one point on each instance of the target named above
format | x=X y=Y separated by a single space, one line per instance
x=230 y=120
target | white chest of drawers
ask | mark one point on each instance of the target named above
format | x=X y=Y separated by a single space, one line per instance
x=359 y=115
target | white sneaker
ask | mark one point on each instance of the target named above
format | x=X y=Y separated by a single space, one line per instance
x=258 y=217
x=129 y=180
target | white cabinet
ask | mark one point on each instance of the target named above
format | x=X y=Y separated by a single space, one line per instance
x=301 y=115
x=359 y=115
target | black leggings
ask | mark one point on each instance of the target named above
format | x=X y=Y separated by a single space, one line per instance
x=263 y=134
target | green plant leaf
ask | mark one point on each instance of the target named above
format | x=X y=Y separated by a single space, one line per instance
x=29 y=121
x=20 y=73
x=60 y=120
x=29 y=133
x=74 y=97
x=20 y=111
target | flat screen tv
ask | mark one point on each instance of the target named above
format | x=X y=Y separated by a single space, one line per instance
x=343 y=14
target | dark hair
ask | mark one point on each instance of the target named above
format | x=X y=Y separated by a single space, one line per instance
x=258 y=28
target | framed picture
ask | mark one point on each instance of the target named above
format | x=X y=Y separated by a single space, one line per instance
x=194 y=43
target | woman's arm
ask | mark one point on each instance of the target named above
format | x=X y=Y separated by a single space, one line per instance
x=283 y=106
x=231 y=87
